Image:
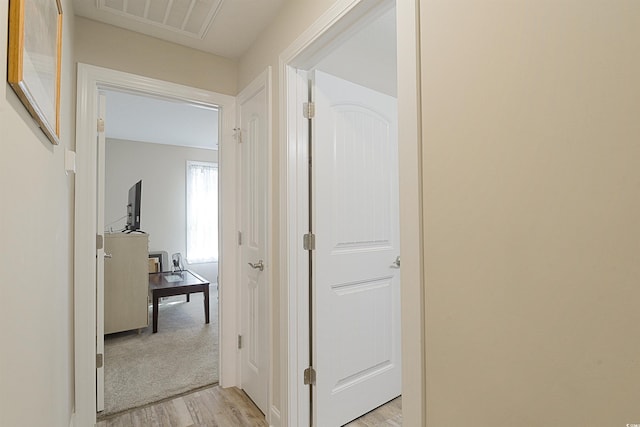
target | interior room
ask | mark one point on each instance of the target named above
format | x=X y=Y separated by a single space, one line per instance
x=518 y=202
x=160 y=142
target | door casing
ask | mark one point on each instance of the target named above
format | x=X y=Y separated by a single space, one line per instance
x=90 y=80
x=100 y=254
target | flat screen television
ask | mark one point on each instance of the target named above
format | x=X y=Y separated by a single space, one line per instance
x=133 y=207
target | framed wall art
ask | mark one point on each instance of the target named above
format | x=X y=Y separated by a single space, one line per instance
x=34 y=60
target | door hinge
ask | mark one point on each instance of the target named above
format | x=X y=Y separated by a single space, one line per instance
x=238 y=135
x=309 y=376
x=99 y=360
x=239 y=342
x=100 y=124
x=99 y=241
x=309 y=242
x=239 y=238
x=308 y=110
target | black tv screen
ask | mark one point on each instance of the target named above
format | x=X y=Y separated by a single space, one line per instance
x=133 y=207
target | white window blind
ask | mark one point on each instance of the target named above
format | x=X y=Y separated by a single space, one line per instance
x=202 y=212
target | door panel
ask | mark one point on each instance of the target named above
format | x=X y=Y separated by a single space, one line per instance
x=255 y=321
x=356 y=290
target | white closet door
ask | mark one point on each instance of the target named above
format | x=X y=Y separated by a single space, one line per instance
x=356 y=332
x=253 y=120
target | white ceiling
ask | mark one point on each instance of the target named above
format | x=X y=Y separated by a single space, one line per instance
x=141 y=118
x=367 y=58
x=222 y=27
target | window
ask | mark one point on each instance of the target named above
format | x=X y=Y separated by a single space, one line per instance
x=202 y=212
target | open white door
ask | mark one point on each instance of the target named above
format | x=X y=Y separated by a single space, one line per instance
x=100 y=255
x=254 y=342
x=356 y=308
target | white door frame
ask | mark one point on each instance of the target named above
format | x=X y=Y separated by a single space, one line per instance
x=412 y=295
x=90 y=80
x=100 y=255
x=338 y=23
x=262 y=82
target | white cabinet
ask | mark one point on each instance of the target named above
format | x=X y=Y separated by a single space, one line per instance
x=126 y=282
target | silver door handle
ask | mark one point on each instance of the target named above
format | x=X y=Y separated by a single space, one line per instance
x=259 y=265
x=106 y=255
x=396 y=263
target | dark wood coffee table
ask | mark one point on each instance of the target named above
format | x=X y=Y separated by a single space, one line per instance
x=177 y=283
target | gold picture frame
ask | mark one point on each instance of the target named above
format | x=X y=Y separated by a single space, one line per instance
x=34 y=60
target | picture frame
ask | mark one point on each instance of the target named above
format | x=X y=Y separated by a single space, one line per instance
x=155 y=263
x=34 y=60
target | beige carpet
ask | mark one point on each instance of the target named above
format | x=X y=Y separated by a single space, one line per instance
x=182 y=356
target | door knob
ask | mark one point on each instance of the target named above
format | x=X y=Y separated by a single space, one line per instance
x=106 y=255
x=396 y=263
x=259 y=265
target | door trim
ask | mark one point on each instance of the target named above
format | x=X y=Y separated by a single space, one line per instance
x=263 y=81
x=412 y=295
x=100 y=255
x=90 y=80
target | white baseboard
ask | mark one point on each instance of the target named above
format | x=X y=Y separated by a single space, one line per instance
x=274 y=418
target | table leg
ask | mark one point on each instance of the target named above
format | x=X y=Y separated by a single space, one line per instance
x=155 y=313
x=206 y=304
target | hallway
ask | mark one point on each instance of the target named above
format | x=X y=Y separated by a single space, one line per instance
x=226 y=407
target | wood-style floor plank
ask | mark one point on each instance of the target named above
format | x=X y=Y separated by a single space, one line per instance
x=206 y=409
x=218 y=407
x=389 y=414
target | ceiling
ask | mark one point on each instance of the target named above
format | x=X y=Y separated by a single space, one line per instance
x=134 y=117
x=222 y=27
x=227 y=28
x=367 y=57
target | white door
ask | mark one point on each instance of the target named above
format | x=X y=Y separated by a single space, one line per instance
x=356 y=308
x=100 y=254
x=253 y=138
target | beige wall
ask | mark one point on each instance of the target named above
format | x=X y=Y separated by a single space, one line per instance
x=118 y=49
x=532 y=207
x=36 y=247
x=162 y=169
x=292 y=20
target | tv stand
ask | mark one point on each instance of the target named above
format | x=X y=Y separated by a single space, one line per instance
x=126 y=282
x=134 y=232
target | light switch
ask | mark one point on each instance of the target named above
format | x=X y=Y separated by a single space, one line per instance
x=70 y=162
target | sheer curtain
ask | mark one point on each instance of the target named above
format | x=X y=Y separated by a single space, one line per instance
x=202 y=212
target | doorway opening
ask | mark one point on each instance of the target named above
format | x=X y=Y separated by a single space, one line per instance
x=88 y=239
x=171 y=147
x=347 y=204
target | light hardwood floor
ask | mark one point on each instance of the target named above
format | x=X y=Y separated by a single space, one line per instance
x=386 y=415
x=228 y=407
x=212 y=406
